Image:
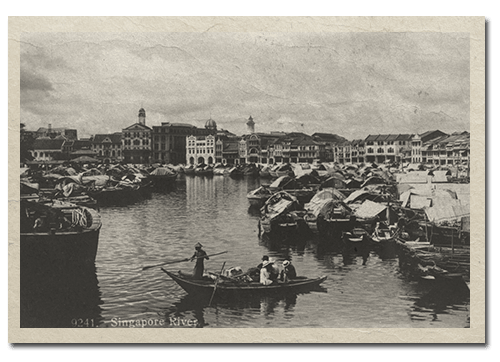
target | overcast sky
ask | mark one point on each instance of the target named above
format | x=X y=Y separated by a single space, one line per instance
x=351 y=84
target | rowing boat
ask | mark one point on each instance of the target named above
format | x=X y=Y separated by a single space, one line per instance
x=225 y=286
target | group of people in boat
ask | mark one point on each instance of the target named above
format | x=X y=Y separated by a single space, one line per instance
x=266 y=273
x=270 y=274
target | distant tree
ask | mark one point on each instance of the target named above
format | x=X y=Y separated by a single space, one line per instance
x=27 y=140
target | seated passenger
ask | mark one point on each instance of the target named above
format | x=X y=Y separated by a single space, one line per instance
x=266 y=273
x=288 y=271
x=264 y=258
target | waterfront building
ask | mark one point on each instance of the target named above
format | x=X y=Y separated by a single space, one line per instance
x=257 y=147
x=136 y=141
x=342 y=152
x=107 y=148
x=451 y=149
x=49 y=132
x=169 y=142
x=78 y=148
x=331 y=142
x=226 y=148
x=357 y=151
x=297 y=147
x=47 y=149
x=418 y=140
x=200 y=145
x=389 y=147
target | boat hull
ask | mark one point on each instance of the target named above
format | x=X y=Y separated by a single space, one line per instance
x=230 y=288
x=64 y=248
x=164 y=180
x=61 y=247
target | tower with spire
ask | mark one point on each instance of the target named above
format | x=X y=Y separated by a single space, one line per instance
x=251 y=125
x=142 y=116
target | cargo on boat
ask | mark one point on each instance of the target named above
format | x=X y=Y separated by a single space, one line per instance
x=163 y=176
x=282 y=214
x=227 y=286
x=58 y=232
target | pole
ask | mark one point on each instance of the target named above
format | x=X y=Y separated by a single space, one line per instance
x=216 y=282
x=180 y=261
x=452 y=244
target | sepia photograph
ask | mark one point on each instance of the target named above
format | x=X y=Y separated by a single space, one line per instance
x=254 y=178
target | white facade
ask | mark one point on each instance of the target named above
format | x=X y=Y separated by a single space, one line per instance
x=44 y=155
x=200 y=149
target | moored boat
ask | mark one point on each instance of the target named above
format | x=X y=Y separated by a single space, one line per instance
x=204 y=171
x=58 y=232
x=259 y=196
x=236 y=172
x=227 y=286
x=384 y=235
x=163 y=176
x=282 y=214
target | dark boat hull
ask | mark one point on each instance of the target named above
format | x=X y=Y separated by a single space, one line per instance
x=163 y=181
x=61 y=247
x=120 y=196
x=206 y=287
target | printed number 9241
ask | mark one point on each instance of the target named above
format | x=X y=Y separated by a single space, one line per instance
x=82 y=323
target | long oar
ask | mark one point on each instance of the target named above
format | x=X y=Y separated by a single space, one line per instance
x=216 y=282
x=180 y=261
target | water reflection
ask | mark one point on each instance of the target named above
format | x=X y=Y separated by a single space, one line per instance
x=365 y=287
x=60 y=296
x=439 y=300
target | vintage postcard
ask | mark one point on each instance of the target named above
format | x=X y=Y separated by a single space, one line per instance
x=224 y=180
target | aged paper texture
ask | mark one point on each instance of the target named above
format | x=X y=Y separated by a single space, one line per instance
x=21 y=29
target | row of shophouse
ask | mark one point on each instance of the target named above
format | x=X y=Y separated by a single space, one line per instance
x=181 y=143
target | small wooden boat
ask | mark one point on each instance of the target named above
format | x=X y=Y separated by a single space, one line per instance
x=384 y=236
x=204 y=171
x=236 y=172
x=163 y=176
x=357 y=235
x=189 y=170
x=264 y=172
x=58 y=232
x=279 y=215
x=259 y=196
x=282 y=170
x=227 y=286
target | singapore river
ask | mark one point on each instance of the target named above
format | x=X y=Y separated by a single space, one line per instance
x=214 y=211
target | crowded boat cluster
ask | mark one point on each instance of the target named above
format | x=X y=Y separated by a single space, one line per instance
x=372 y=206
x=367 y=205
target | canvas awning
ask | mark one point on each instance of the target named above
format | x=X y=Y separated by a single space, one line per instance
x=449 y=211
x=162 y=171
x=85 y=159
x=369 y=209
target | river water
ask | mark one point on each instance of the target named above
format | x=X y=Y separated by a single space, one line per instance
x=215 y=212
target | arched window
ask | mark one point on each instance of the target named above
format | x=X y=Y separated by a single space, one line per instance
x=390 y=150
x=380 y=150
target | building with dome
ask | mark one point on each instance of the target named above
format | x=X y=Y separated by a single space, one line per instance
x=200 y=145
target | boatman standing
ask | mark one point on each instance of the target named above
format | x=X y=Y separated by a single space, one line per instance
x=199 y=255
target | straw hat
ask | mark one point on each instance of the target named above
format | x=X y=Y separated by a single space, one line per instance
x=198 y=245
x=286 y=263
